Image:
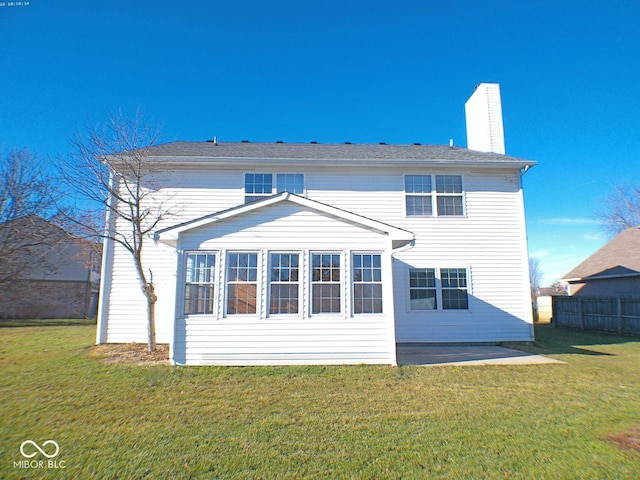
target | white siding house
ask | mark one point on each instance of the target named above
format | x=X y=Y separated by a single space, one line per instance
x=314 y=253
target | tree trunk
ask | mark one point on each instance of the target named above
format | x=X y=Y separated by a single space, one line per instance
x=151 y=315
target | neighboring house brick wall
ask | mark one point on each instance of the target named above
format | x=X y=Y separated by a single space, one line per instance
x=46 y=299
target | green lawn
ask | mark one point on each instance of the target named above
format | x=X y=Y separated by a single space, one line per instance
x=127 y=421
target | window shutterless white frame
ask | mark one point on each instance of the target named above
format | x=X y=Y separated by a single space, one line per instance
x=257 y=186
x=454 y=288
x=366 y=283
x=418 y=195
x=449 y=194
x=200 y=273
x=284 y=283
x=434 y=195
x=242 y=283
x=423 y=289
x=326 y=273
x=290 y=182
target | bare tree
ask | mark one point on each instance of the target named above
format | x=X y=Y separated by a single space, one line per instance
x=622 y=209
x=109 y=169
x=27 y=209
x=535 y=276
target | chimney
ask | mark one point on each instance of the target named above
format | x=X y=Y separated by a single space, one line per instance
x=483 y=111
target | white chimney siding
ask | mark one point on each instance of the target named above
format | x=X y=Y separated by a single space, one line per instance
x=483 y=110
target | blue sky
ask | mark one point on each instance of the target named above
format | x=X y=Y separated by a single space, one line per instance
x=359 y=71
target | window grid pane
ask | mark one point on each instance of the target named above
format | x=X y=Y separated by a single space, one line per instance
x=290 y=182
x=257 y=186
x=454 y=289
x=422 y=289
x=418 y=195
x=199 y=283
x=449 y=195
x=284 y=283
x=242 y=287
x=448 y=184
x=325 y=283
x=367 y=283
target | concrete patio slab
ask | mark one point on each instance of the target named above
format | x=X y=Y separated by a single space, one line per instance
x=464 y=355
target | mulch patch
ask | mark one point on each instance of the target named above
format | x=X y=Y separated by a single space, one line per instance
x=131 y=354
x=629 y=440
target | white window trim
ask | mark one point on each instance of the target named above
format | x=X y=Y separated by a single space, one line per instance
x=341 y=284
x=274 y=184
x=259 y=284
x=440 y=310
x=434 y=195
x=183 y=284
x=352 y=283
x=301 y=273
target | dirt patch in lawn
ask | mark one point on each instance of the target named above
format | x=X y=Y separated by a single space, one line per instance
x=629 y=440
x=131 y=354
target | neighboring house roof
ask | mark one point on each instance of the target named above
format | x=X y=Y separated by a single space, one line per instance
x=398 y=236
x=618 y=258
x=344 y=154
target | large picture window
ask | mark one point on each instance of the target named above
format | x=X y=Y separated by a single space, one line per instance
x=325 y=283
x=367 y=283
x=242 y=283
x=199 y=283
x=284 y=283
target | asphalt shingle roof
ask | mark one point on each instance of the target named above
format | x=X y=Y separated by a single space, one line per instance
x=621 y=256
x=320 y=151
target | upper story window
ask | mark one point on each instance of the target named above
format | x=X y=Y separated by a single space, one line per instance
x=449 y=195
x=290 y=182
x=257 y=186
x=260 y=185
x=420 y=192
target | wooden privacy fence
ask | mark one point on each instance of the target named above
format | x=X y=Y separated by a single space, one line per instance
x=608 y=314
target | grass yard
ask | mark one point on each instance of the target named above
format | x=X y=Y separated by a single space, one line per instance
x=118 y=420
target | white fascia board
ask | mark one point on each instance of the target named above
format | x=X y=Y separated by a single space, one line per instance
x=398 y=236
x=198 y=162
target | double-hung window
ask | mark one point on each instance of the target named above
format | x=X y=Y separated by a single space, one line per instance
x=290 y=182
x=284 y=283
x=242 y=283
x=418 y=195
x=422 y=289
x=325 y=283
x=367 y=283
x=199 y=283
x=261 y=185
x=449 y=195
x=454 y=288
x=257 y=186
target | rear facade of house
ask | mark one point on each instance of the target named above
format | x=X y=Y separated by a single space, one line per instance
x=282 y=253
